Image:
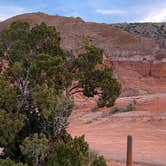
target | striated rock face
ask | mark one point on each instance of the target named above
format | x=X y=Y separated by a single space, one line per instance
x=139 y=78
x=139 y=62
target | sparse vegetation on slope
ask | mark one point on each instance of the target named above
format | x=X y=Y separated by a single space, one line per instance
x=129 y=107
x=156 y=31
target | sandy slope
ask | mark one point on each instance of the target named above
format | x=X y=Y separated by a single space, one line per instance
x=107 y=134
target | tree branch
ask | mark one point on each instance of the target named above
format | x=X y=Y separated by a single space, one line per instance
x=74 y=87
x=77 y=91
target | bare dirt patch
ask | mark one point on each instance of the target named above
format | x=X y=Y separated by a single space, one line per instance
x=107 y=134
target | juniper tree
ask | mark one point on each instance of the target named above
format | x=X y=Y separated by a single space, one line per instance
x=38 y=82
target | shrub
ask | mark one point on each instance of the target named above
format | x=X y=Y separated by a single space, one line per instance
x=74 y=152
x=99 y=161
x=9 y=162
x=129 y=107
x=96 y=160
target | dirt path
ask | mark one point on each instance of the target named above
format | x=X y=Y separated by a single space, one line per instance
x=107 y=134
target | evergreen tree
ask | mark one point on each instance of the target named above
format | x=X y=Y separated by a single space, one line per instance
x=36 y=91
x=9 y=162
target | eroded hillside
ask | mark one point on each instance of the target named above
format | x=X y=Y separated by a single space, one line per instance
x=140 y=65
x=139 y=62
x=156 y=31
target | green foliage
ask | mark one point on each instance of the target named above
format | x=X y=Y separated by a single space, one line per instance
x=88 y=60
x=53 y=76
x=46 y=40
x=9 y=162
x=92 y=81
x=101 y=82
x=36 y=94
x=35 y=148
x=96 y=160
x=10 y=125
x=45 y=100
x=74 y=152
x=8 y=100
x=129 y=107
x=110 y=89
x=99 y=161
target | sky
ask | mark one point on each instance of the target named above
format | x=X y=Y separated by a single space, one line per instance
x=102 y=11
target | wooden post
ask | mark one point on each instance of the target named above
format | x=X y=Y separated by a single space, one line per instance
x=129 y=161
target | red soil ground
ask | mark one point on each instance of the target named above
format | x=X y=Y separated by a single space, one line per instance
x=107 y=134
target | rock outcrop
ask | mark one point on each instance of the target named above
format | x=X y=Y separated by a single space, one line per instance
x=156 y=31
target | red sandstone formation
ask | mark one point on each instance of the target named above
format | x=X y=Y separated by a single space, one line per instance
x=137 y=61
